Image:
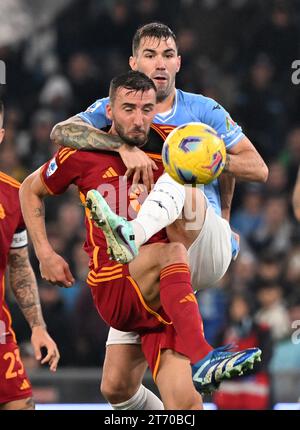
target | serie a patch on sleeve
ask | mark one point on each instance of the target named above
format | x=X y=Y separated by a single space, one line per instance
x=19 y=239
x=52 y=167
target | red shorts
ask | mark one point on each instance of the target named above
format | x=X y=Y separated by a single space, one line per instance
x=157 y=340
x=14 y=383
x=120 y=303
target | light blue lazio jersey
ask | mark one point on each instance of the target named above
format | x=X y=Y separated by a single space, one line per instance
x=187 y=107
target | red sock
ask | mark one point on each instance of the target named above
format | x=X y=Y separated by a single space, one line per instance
x=179 y=302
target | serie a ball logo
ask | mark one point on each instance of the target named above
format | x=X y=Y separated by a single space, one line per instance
x=194 y=153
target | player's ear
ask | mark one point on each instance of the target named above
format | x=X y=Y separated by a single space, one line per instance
x=108 y=111
x=132 y=62
x=2 y=133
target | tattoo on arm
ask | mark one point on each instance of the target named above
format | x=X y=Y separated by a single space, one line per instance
x=227 y=163
x=79 y=135
x=24 y=286
x=39 y=212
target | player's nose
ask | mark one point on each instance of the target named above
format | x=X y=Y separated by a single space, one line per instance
x=138 y=119
x=160 y=63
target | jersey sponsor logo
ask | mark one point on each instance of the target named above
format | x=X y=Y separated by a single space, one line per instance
x=51 y=168
x=2 y=212
x=110 y=173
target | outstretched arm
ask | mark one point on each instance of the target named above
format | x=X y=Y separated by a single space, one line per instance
x=52 y=266
x=244 y=162
x=24 y=287
x=296 y=197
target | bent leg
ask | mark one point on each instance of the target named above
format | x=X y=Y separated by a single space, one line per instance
x=175 y=384
x=187 y=228
x=161 y=208
x=179 y=208
x=173 y=292
x=206 y=236
x=147 y=266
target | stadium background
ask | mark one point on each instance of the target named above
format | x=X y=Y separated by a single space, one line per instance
x=59 y=58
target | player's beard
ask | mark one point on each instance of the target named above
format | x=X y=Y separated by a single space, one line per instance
x=164 y=92
x=138 y=140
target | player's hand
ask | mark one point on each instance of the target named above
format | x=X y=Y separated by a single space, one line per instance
x=138 y=164
x=41 y=339
x=56 y=270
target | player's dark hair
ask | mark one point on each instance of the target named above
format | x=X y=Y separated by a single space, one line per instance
x=1 y=113
x=132 y=81
x=156 y=30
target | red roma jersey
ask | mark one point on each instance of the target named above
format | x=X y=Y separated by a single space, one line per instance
x=11 y=222
x=103 y=171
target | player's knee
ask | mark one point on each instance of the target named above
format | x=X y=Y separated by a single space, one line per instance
x=174 y=252
x=116 y=391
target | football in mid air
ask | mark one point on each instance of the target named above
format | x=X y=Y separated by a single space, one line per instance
x=194 y=153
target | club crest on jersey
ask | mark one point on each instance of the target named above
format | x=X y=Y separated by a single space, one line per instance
x=52 y=167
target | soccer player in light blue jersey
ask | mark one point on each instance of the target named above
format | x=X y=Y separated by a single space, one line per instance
x=210 y=242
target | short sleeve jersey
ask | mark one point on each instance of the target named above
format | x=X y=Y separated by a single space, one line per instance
x=103 y=171
x=12 y=235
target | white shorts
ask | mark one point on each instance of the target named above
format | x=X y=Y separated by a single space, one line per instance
x=117 y=337
x=211 y=253
x=209 y=258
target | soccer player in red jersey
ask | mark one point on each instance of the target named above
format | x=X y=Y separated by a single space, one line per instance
x=155 y=52
x=15 y=388
x=126 y=296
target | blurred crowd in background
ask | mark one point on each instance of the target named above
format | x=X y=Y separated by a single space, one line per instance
x=239 y=52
